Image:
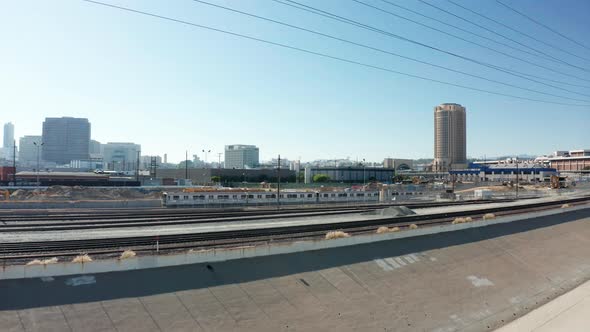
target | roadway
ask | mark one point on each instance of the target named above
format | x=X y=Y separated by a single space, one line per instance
x=475 y=279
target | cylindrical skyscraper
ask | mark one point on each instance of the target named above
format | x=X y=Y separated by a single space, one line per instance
x=450 y=144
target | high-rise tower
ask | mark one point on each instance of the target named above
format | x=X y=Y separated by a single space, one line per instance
x=450 y=144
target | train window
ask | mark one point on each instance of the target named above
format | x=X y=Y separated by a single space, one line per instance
x=222 y=196
x=360 y=195
x=309 y=195
x=250 y=196
x=302 y=195
x=326 y=195
x=281 y=196
x=269 y=196
x=185 y=197
x=342 y=195
x=234 y=196
x=210 y=197
x=259 y=196
x=333 y=195
x=291 y=195
x=243 y=196
x=175 y=197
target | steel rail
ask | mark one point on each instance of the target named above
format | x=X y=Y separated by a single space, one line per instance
x=35 y=249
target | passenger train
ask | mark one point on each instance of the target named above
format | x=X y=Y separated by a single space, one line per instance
x=231 y=198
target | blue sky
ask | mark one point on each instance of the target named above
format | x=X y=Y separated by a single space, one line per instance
x=172 y=87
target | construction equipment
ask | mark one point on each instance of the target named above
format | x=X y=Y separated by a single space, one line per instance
x=558 y=182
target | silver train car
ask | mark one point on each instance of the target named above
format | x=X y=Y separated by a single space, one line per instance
x=240 y=198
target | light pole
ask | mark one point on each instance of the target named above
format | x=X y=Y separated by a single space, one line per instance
x=364 y=168
x=517 y=177
x=206 y=153
x=38 y=145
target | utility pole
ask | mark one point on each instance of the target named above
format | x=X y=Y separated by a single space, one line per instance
x=517 y=171
x=364 y=168
x=186 y=165
x=279 y=184
x=137 y=168
x=452 y=177
x=38 y=145
x=14 y=162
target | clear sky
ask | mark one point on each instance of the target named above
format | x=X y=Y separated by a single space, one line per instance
x=172 y=87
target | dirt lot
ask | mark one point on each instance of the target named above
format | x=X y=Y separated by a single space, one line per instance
x=64 y=193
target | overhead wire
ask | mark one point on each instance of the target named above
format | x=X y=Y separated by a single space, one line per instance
x=342 y=19
x=498 y=34
x=466 y=40
x=543 y=25
x=446 y=23
x=378 y=49
x=517 y=31
x=323 y=55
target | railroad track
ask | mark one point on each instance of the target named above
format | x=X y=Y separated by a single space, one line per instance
x=26 y=250
x=217 y=212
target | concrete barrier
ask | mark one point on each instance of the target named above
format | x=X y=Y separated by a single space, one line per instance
x=225 y=254
x=86 y=204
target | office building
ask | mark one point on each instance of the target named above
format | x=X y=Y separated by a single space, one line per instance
x=65 y=139
x=95 y=149
x=398 y=164
x=450 y=143
x=121 y=156
x=8 y=141
x=241 y=156
x=27 y=150
x=351 y=174
x=571 y=161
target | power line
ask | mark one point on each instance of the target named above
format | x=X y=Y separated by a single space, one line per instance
x=499 y=34
x=517 y=31
x=468 y=41
x=378 y=49
x=543 y=25
x=323 y=55
x=481 y=36
x=512 y=72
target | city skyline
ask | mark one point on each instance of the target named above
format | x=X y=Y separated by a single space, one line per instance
x=187 y=86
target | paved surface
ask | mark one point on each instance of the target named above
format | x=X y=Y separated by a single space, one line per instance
x=568 y=312
x=471 y=280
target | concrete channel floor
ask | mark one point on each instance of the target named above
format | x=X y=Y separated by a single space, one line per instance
x=476 y=279
x=568 y=312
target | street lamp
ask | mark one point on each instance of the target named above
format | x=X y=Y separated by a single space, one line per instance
x=38 y=145
x=364 y=167
x=206 y=152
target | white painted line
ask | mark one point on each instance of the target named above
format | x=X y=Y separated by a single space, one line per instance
x=409 y=259
x=382 y=264
x=415 y=257
x=392 y=262
x=400 y=261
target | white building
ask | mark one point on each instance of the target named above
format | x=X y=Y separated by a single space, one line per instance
x=121 y=156
x=8 y=142
x=27 y=154
x=241 y=156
